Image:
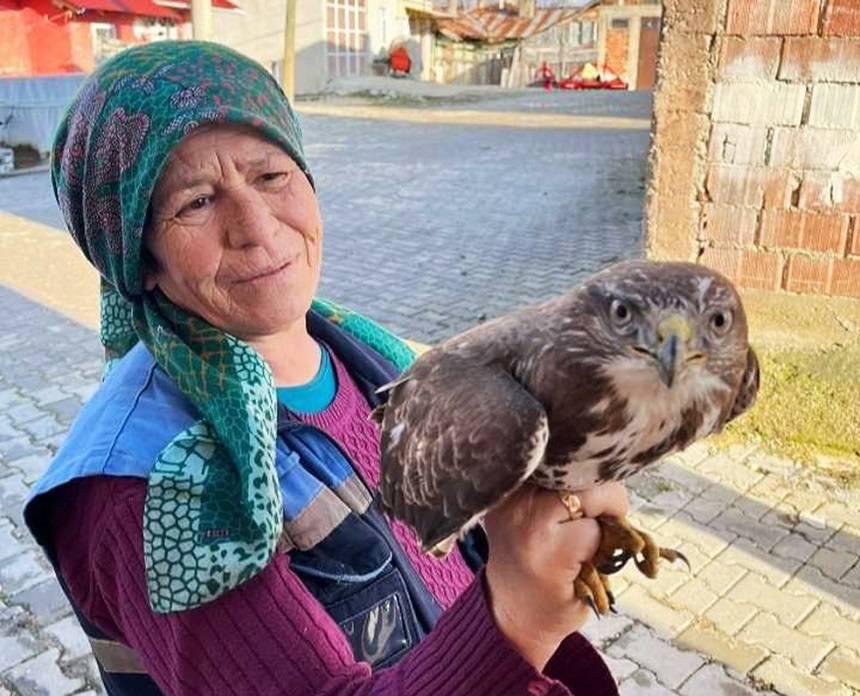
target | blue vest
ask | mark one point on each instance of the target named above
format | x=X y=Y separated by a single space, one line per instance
x=358 y=571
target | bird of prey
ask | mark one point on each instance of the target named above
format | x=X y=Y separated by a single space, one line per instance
x=638 y=361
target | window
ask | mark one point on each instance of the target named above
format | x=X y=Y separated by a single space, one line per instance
x=620 y=24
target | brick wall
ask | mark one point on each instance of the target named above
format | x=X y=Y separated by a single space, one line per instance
x=756 y=154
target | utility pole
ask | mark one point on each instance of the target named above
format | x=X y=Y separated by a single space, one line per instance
x=288 y=79
x=201 y=19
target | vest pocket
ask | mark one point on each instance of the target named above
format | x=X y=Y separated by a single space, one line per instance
x=351 y=574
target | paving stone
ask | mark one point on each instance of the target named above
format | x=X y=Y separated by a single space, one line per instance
x=33 y=466
x=845 y=540
x=7 y=430
x=852 y=577
x=695 y=596
x=745 y=554
x=15 y=649
x=809 y=581
x=688 y=480
x=796 y=547
x=23 y=571
x=40 y=676
x=671 y=666
x=739 y=655
x=803 y=650
x=642 y=683
x=691 y=457
x=620 y=667
x=826 y=623
x=45 y=601
x=755 y=591
x=720 y=577
x=65 y=410
x=48 y=395
x=9 y=398
x=763 y=535
x=790 y=681
x=10 y=545
x=666 y=621
x=23 y=413
x=711 y=680
x=684 y=527
x=840 y=512
x=71 y=637
x=44 y=427
x=729 y=472
x=730 y=617
x=607 y=628
x=833 y=564
x=669 y=579
x=843 y=667
x=703 y=510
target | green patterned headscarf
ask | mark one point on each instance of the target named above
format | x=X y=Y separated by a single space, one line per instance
x=213 y=512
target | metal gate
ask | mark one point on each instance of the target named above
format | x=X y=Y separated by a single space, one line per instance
x=346 y=38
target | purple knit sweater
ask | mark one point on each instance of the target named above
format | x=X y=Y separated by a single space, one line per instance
x=270 y=635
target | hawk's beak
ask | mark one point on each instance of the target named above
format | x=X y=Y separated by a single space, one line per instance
x=673 y=335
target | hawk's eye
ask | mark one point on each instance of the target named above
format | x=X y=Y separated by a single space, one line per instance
x=721 y=321
x=620 y=314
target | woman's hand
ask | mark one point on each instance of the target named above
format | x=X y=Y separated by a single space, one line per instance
x=536 y=553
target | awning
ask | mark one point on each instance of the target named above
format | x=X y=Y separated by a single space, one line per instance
x=139 y=8
x=185 y=5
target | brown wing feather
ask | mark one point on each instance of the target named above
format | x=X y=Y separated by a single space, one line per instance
x=749 y=387
x=457 y=438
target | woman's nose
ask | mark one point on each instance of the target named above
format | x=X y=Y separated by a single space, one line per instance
x=248 y=219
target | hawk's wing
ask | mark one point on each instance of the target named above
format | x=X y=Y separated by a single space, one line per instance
x=749 y=387
x=456 y=438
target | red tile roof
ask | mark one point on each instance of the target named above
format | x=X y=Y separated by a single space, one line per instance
x=495 y=25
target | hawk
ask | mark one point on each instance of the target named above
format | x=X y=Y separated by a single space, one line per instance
x=638 y=361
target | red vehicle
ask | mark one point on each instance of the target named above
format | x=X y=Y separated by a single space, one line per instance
x=588 y=77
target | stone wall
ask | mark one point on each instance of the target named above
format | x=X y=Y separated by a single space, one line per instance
x=756 y=155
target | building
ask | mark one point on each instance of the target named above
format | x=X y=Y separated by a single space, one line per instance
x=334 y=38
x=629 y=33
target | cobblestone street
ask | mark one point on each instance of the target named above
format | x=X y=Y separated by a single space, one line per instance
x=431 y=228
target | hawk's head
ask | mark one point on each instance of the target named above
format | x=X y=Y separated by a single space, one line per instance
x=673 y=337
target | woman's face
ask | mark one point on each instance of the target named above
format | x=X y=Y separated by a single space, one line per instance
x=235 y=233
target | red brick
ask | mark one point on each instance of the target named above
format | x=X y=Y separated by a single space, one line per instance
x=825 y=60
x=777 y=17
x=761 y=269
x=780 y=186
x=733 y=143
x=725 y=261
x=796 y=229
x=845 y=280
x=759 y=103
x=822 y=232
x=808 y=276
x=842 y=18
x=829 y=192
x=729 y=225
x=750 y=58
x=736 y=185
x=782 y=229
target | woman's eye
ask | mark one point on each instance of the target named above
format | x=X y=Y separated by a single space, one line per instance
x=270 y=177
x=198 y=203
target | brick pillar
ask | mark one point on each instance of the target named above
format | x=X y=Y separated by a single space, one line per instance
x=756 y=153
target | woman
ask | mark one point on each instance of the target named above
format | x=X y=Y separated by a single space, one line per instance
x=210 y=515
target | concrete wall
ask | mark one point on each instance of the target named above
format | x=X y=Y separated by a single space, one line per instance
x=756 y=151
x=258 y=32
